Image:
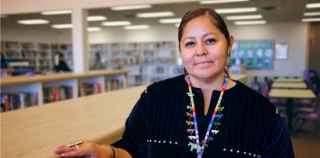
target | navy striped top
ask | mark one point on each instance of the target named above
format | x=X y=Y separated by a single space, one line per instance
x=250 y=127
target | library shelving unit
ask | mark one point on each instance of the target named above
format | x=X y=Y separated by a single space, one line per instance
x=24 y=91
x=38 y=55
x=146 y=62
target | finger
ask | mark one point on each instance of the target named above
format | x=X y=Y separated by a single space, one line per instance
x=62 y=149
x=73 y=153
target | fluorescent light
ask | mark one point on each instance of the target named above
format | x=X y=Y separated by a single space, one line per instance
x=170 y=21
x=96 y=18
x=235 y=10
x=33 y=21
x=313 y=5
x=311 y=14
x=56 y=12
x=136 y=27
x=220 y=1
x=116 y=23
x=155 y=14
x=131 y=7
x=310 y=19
x=94 y=29
x=244 y=17
x=62 y=26
x=250 y=22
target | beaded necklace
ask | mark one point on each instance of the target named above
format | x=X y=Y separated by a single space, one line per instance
x=191 y=121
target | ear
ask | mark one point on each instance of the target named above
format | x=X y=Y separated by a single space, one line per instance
x=230 y=46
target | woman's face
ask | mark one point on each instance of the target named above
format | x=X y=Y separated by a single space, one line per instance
x=203 y=48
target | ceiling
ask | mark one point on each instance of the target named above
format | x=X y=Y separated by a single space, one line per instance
x=273 y=11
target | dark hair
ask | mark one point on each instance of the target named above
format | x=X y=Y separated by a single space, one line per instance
x=59 y=54
x=216 y=19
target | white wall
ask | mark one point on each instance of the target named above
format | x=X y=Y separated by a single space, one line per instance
x=36 y=35
x=157 y=33
x=294 y=34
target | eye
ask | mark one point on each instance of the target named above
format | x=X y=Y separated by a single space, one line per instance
x=210 y=41
x=189 y=44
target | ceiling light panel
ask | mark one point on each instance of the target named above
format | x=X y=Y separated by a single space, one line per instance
x=116 y=23
x=96 y=18
x=131 y=7
x=94 y=29
x=244 y=17
x=311 y=14
x=235 y=10
x=170 y=21
x=62 y=26
x=250 y=22
x=33 y=21
x=155 y=14
x=312 y=5
x=136 y=27
x=310 y=19
x=221 y=1
x=56 y=12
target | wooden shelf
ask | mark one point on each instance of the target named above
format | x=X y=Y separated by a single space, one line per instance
x=36 y=84
x=56 y=77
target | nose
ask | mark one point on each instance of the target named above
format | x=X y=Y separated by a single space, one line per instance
x=201 y=49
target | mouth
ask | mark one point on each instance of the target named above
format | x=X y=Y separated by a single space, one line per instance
x=204 y=62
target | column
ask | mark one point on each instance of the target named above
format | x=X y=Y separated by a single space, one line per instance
x=80 y=44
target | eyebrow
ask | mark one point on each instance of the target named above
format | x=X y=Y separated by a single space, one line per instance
x=205 y=35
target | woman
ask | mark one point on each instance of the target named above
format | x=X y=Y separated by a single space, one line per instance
x=201 y=114
x=60 y=64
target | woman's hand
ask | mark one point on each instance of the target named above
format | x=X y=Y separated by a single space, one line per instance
x=84 y=149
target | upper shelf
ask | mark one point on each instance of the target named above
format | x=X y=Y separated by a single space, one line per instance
x=18 y=80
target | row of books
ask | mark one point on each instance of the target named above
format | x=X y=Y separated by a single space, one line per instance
x=95 y=88
x=19 y=100
x=90 y=88
x=114 y=84
x=13 y=101
x=53 y=94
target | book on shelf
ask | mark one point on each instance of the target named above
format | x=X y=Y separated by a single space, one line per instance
x=19 y=100
x=58 y=93
x=90 y=88
x=114 y=84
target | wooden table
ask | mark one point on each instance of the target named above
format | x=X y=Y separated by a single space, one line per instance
x=36 y=131
x=289 y=80
x=289 y=95
x=292 y=93
x=289 y=85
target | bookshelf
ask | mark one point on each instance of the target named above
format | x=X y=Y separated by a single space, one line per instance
x=140 y=59
x=44 y=89
x=39 y=55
